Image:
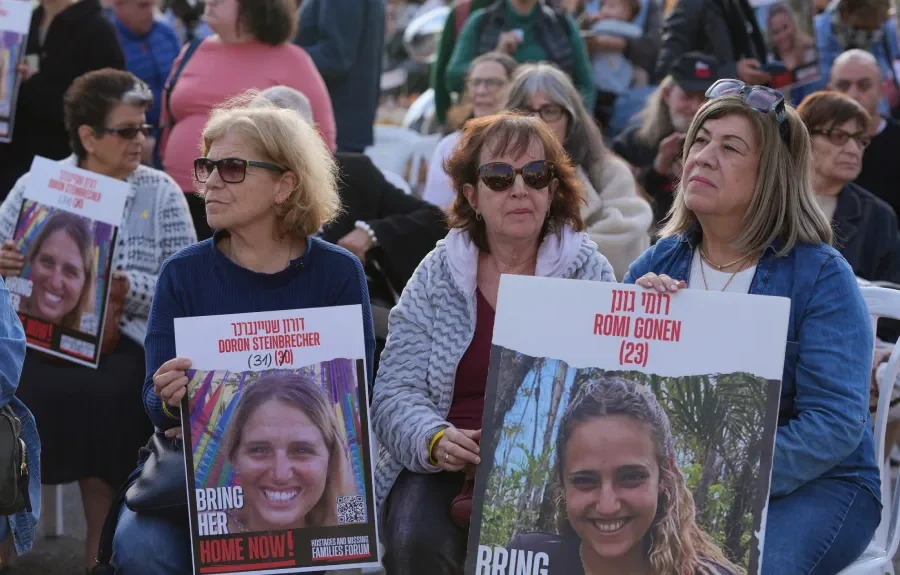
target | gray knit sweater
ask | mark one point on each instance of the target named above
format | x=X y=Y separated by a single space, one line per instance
x=429 y=331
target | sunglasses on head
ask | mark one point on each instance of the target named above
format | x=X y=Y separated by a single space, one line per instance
x=128 y=133
x=500 y=176
x=760 y=98
x=231 y=170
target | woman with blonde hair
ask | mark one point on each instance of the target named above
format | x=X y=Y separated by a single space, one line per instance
x=745 y=220
x=268 y=182
x=615 y=216
x=647 y=516
x=260 y=450
x=60 y=260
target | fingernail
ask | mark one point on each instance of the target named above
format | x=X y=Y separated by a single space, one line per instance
x=477 y=460
x=661 y=288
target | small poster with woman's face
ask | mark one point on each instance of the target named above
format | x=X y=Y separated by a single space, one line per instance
x=66 y=234
x=280 y=461
x=15 y=18
x=792 y=56
x=626 y=430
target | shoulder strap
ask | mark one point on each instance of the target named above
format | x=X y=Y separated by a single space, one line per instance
x=173 y=79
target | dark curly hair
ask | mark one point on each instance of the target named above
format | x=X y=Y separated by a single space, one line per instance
x=510 y=133
x=92 y=96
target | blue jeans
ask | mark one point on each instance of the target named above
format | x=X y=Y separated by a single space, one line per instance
x=820 y=528
x=151 y=545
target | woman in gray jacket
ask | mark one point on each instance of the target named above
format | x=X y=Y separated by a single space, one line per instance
x=516 y=211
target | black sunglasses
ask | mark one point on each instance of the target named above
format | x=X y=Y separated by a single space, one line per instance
x=128 y=133
x=231 y=170
x=760 y=98
x=500 y=176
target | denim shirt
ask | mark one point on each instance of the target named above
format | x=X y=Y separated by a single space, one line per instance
x=824 y=428
x=12 y=355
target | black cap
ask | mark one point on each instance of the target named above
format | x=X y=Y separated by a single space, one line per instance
x=695 y=72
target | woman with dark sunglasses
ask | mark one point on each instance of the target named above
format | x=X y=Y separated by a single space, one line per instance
x=104 y=114
x=516 y=212
x=268 y=181
x=615 y=216
x=745 y=220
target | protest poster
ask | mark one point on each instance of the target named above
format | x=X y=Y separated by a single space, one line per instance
x=280 y=461
x=66 y=230
x=621 y=422
x=792 y=56
x=15 y=18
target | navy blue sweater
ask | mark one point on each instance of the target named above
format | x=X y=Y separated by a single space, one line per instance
x=201 y=280
x=345 y=38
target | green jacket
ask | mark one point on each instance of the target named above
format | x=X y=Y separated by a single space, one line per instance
x=442 y=98
x=466 y=50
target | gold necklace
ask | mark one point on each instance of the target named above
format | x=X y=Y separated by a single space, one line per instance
x=723 y=266
x=703 y=275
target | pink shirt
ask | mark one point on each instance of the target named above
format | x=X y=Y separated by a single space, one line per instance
x=217 y=72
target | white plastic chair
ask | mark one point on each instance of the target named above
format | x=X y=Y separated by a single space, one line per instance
x=392 y=148
x=404 y=152
x=877 y=559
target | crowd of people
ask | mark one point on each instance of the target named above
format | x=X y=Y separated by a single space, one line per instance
x=241 y=137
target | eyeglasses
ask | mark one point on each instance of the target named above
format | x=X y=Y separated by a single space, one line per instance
x=547 y=112
x=839 y=137
x=231 y=170
x=128 y=133
x=760 y=98
x=492 y=84
x=500 y=176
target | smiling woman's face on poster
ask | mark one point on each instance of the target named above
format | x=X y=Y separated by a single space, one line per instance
x=60 y=267
x=611 y=487
x=288 y=454
x=282 y=462
x=58 y=276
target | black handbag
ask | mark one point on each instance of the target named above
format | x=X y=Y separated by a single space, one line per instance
x=161 y=487
x=13 y=465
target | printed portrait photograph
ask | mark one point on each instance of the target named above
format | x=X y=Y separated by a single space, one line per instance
x=290 y=439
x=594 y=467
x=789 y=35
x=67 y=262
x=10 y=50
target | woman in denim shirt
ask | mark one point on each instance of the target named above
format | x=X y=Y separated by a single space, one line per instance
x=744 y=219
x=12 y=355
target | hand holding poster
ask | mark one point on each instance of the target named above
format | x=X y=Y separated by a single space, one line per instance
x=15 y=18
x=626 y=429
x=66 y=233
x=787 y=27
x=280 y=467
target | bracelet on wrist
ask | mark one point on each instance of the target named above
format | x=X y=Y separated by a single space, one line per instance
x=165 y=408
x=434 y=441
x=368 y=229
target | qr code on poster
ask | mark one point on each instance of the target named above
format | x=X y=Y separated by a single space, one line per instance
x=351 y=509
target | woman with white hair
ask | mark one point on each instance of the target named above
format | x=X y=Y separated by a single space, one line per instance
x=617 y=218
x=269 y=183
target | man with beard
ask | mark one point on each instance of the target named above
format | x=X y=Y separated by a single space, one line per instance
x=653 y=147
x=857 y=74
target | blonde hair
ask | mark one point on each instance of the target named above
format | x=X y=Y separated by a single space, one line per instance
x=287 y=140
x=783 y=206
x=656 y=121
x=675 y=544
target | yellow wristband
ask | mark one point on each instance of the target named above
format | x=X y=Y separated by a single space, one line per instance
x=167 y=412
x=437 y=437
